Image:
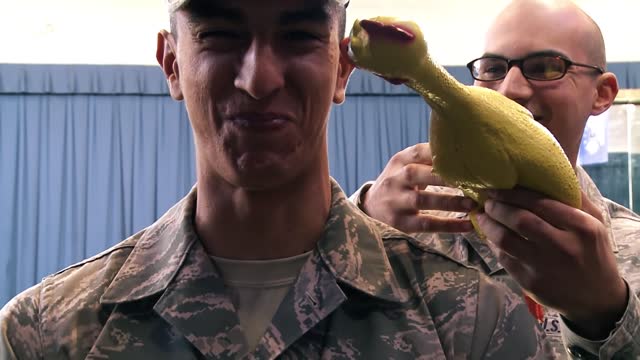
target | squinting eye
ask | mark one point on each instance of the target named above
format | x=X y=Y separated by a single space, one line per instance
x=494 y=69
x=537 y=68
x=300 y=36
x=220 y=34
x=491 y=69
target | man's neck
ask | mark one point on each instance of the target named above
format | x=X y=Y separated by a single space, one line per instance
x=238 y=224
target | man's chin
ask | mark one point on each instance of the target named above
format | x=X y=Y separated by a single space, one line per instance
x=262 y=175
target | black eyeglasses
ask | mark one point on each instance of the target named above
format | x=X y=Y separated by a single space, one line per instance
x=533 y=67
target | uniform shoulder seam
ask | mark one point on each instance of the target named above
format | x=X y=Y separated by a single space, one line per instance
x=126 y=244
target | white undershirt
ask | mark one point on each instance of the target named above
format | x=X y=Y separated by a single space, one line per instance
x=258 y=287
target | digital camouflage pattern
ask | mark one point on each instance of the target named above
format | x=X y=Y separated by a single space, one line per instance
x=367 y=292
x=624 y=232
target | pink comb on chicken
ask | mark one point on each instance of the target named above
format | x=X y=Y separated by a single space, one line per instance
x=391 y=32
x=378 y=30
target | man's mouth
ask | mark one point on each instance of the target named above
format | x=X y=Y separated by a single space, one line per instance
x=257 y=121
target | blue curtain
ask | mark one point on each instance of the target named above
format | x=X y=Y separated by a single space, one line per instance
x=628 y=74
x=88 y=156
x=377 y=126
x=92 y=154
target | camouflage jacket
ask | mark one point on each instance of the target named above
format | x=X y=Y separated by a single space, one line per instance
x=367 y=292
x=624 y=232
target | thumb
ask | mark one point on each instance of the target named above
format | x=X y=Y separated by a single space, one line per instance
x=590 y=208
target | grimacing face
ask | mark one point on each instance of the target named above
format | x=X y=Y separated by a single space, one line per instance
x=258 y=79
x=563 y=106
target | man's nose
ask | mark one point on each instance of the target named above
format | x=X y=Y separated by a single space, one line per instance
x=515 y=86
x=261 y=71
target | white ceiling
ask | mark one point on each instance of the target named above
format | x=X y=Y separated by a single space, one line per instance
x=124 y=31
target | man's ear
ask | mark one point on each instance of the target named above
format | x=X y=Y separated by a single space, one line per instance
x=345 y=68
x=607 y=90
x=166 y=57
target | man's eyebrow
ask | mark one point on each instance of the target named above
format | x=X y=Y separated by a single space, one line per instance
x=547 y=52
x=535 y=53
x=316 y=14
x=490 y=54
x=200 y=11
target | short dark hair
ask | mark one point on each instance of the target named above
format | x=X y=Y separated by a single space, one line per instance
x=172 y=24
x=338 y=11
x=340 y=14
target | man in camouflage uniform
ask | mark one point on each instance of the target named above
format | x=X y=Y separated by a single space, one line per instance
x=584 y=265
x=265 y=257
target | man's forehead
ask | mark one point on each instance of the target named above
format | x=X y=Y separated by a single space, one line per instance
x=174 y=5
x=511 y=36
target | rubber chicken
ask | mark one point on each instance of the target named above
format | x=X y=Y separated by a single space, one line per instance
x=479 y=138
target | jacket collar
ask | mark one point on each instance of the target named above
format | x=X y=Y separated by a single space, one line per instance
x=157 y=256
x=351 y=247
x=169 y=270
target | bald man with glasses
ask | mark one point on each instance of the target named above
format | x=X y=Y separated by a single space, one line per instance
x=583 y=265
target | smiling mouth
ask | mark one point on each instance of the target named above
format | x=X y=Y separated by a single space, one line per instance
x=260 y=121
